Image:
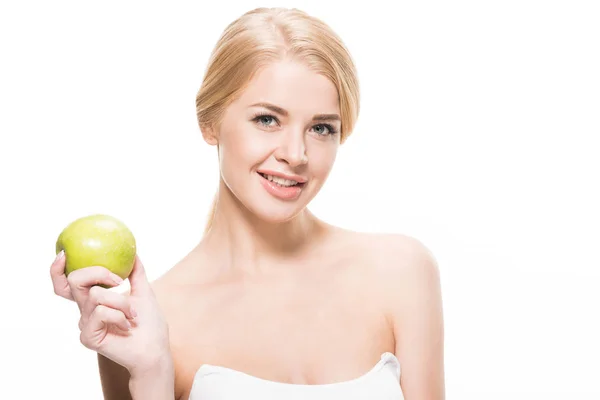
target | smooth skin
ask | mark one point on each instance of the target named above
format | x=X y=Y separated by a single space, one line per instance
x=271 y=290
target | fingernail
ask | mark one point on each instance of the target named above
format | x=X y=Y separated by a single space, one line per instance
x=60 y=255
x=116 y=278
x=128 y=324
x=133 y=313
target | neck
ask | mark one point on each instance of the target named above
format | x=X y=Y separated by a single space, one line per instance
x=241 y=241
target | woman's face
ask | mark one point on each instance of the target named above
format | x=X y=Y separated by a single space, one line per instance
x=278 y=141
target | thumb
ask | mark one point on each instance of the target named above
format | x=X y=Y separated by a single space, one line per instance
x=138 y=279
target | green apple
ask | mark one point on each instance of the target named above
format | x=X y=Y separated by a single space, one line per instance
x=98 y=240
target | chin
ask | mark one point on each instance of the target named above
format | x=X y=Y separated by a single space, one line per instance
x=277 y=213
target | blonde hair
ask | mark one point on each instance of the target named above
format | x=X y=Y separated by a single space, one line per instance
x=265 y=35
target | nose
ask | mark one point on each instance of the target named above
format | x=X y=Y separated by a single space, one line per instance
x=292 y=149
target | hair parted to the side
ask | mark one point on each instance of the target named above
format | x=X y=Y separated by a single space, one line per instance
x=265 y=35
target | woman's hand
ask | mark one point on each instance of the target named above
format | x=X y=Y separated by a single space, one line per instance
x=128 y=329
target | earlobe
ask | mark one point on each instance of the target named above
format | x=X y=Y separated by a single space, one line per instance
x=209 y=135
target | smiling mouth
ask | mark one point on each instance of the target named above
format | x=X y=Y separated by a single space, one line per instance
x=282 y=182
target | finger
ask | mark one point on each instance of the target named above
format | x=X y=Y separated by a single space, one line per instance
x=102 y=318
x=99 y=296
x=59 y=280
x=81 y=280
x=138 y=279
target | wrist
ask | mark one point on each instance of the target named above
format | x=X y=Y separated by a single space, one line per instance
x=154 y=368
x=153 y=381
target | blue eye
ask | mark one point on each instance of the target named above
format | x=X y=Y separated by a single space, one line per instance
x=264 y=119
x=330 y=129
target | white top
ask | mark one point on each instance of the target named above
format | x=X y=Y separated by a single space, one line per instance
x=382 y=382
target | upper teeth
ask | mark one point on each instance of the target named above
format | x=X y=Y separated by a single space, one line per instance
x=281 y=181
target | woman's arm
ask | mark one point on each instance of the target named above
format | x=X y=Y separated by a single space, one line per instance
x=119 y=384
x=114 y=379
x=415 y=302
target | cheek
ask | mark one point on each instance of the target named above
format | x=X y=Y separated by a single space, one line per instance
x=241 y=148
x=321 y=159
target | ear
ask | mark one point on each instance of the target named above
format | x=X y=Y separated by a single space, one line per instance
x=209 y=134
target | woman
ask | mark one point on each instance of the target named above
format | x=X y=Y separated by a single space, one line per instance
x=273 y=302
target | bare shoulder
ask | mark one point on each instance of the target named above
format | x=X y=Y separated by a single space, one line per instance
x=408 y=272
x=407 y=278
x=393 y=254
x=170 y=287
x=403 y=255
x=402 y=270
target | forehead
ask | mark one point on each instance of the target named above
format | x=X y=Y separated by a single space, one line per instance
x=292 y=86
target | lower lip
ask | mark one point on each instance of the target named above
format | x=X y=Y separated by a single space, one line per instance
x=281 y=192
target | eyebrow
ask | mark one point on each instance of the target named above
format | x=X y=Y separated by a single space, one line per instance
x=281 y=111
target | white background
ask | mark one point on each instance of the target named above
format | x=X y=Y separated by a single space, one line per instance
x=477 y=135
